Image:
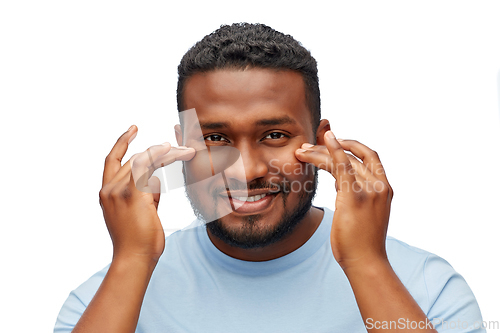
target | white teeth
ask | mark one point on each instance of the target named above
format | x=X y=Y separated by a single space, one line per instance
x=252 y=198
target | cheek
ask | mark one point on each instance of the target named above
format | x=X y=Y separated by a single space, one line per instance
x=283 y=163
x=198 y=168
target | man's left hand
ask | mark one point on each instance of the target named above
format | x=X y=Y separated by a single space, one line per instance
x=363 y=200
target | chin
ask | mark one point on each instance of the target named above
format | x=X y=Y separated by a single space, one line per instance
x=263 y=222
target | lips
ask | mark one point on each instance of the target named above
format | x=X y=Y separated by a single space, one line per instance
x=253 y=203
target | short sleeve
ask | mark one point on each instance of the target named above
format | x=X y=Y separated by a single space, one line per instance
x=70 y=313
x=453 y=307
x=77 y=302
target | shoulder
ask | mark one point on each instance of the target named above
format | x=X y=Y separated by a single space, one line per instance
x=77 y=302
x=176 y=249
x=437 y=287
x=417 y=268
x=405 y=257
x=87 y=289
x=409 y=261
x=176 y=245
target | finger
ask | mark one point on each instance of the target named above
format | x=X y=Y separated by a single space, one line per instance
x=124 y=171
x=154 y=185
x=320 y=159
x=143 y=166
x=369 y=157
x=113 y=161
x=157 y=157
x=175 y=154
x=342 y=167
x=316 y=155
x=317 y=148
x=364 y=178
x=367 y=180
x=309 y=148
x=361 y=169
x=184 y=154
x=322 y=149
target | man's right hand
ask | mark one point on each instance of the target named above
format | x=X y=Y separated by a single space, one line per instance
x=129 y=197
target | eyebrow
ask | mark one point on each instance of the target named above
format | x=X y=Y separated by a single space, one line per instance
x=213 y=126
x=276 y=121
x=262 y=122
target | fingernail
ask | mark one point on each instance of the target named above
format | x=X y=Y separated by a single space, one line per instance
x=183 y=148
x=307 y=145
x=132 y=137
x=340 y=139
x=130 y=128
x=329 y=135
x=301 y=150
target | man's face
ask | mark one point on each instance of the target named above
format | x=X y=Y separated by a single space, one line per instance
x=263 y=114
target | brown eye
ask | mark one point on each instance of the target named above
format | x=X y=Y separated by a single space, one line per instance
x=275 y=135
x=215 y=138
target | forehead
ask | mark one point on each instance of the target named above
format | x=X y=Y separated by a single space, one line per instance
x=244 y=96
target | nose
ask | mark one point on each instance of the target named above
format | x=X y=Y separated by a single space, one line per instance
x=249 y=166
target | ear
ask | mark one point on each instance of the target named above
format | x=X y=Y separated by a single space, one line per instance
x=324 y=126
x=178 y=134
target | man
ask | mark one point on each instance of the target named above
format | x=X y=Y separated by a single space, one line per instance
x=266 y=260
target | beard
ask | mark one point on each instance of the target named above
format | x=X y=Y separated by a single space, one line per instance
x=250 y=235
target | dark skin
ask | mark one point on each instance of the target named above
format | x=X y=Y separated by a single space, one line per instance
x=217 y=98
x=362 y=203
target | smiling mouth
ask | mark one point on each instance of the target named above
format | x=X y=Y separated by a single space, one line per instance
x=252 y=204
x=250 y=199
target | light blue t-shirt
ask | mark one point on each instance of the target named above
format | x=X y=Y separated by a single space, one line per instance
x=196 y=288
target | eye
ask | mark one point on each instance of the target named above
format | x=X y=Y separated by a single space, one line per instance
x=275 y=136
x=216 y=138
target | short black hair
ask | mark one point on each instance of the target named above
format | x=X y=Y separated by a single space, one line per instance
x=245 y=45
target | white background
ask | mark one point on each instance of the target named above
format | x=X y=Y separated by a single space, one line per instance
x=414 y=80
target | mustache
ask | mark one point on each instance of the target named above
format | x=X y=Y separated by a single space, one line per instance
x=234 y=185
